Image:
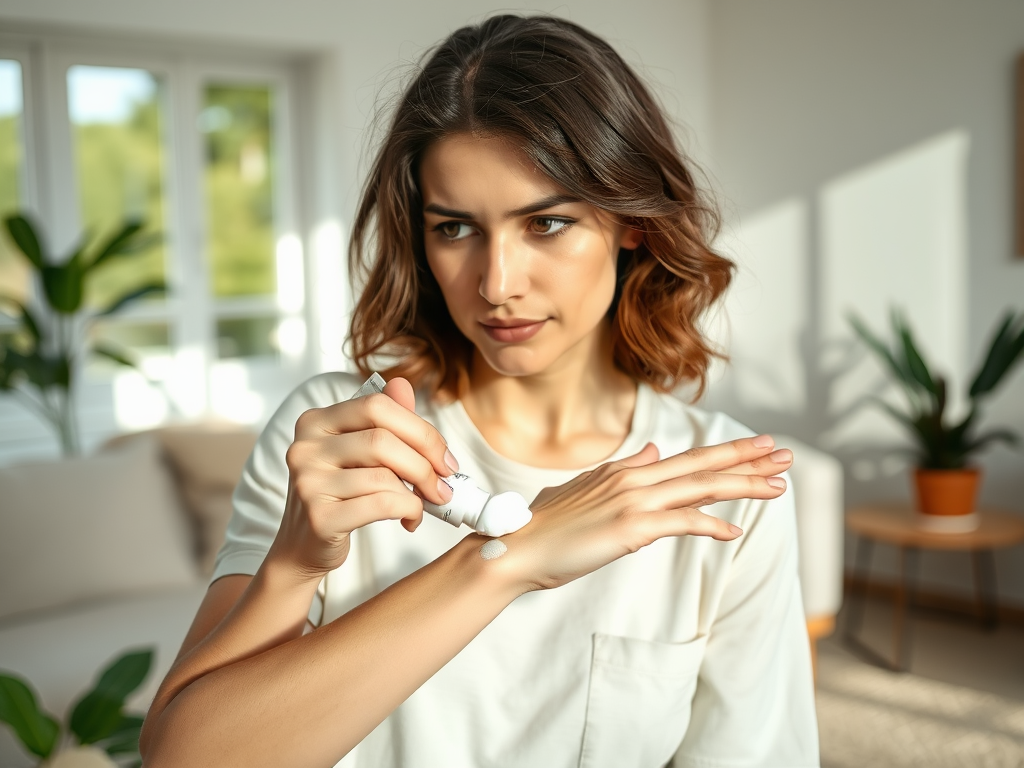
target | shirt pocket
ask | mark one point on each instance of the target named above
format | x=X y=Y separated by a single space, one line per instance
x=638 y=705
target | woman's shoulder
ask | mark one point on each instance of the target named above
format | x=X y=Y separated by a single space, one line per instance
x=677 y=422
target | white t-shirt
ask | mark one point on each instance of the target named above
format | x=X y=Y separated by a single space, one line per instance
x=691 y=648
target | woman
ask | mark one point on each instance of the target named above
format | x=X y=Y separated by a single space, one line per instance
x=540 y=260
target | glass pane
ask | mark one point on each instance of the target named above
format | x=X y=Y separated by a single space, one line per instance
x=247 y=337
x=117 y=123
x=236 y=122
x=15 y=275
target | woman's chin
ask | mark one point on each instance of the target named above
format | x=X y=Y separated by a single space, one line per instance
x=516 y=360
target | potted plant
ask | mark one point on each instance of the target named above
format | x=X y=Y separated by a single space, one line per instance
x=946 y=482
x=39 y=360
x=98 y=732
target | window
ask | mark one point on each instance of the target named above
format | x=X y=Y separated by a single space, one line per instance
x=201 y=150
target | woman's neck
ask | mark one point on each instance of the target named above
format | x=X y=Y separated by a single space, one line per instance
x=575 y=413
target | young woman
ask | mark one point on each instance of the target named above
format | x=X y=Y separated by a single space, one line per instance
x=536 y=260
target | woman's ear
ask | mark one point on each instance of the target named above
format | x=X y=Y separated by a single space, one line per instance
x=631 y=239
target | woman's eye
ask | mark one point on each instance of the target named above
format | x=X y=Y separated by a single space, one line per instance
x=454 y=230
x=548 y=226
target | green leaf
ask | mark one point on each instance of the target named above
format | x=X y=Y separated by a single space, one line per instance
x=118 y=355
x=28 y=320
x=998 y=360
x=24 y=236
x=63 y=286
x=36 y=729
x=41 y=370
x=915 y=362
x=877 y=346
x=125 y=740
x=156 y=287
x=995 y=435
x=128 y=241
x=97 y=715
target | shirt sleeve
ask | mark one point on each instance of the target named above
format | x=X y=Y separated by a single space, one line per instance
x=259 y=498
x=754 y=702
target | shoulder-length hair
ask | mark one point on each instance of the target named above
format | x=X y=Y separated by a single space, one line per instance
x=570 y=102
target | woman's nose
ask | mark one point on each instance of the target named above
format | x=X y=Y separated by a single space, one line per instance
x=503 y=271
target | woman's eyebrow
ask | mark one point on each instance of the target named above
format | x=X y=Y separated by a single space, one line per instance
x=526 y=210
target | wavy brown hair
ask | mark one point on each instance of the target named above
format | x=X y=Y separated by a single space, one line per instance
x=570 y=102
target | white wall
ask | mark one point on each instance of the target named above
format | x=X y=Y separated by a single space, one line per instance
x=866 y=152
x=353 y=56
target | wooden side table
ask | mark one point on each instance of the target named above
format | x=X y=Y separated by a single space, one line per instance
x=897 y=525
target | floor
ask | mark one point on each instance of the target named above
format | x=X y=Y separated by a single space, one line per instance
x=960 y=704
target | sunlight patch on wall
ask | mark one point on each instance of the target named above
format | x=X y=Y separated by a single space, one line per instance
x=765 y=310
x=231 y=395
x=894 y=234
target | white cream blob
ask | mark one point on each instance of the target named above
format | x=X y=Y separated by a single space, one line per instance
x=503 y=513
x=493 y=549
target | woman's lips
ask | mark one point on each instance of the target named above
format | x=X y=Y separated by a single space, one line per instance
x=514 y=333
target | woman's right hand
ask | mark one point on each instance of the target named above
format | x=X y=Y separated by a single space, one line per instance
x=345 y=470
x=622 y=506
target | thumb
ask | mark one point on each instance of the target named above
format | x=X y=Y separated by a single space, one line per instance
x=400 y=390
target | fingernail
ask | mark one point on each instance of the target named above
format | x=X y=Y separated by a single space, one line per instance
x=735 y=530
x=453 y=465
x=763 y=441
x=783 y=456
x=444 y=490
x=776 y=482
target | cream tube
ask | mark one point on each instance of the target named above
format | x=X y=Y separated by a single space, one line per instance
x=489 y=515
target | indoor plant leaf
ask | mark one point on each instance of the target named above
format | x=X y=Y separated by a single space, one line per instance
x=109 y=351
x=36 y=729
x=125 y=740
x=28 y=320
x=1001 y=435
x=24 y=236
x=128 y=241
x=63 y=286
x=98 y=714
x=155 y=287
x=915 y=362
x=878 y=347
x=1001 y=355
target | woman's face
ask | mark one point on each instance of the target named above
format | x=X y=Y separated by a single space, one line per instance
x=527 y=271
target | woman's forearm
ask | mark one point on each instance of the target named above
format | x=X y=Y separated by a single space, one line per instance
x=309 y=700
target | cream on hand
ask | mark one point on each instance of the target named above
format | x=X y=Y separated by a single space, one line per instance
x=489 y=515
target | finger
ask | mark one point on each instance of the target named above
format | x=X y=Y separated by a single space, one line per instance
x=385 y=505
x=380 y=411
x=772 y=464
x=706 y=458
x=340 y=485
x=646 y=455
x=688 y=521
x=400 y=390
x=701 y=489
x=379 y=447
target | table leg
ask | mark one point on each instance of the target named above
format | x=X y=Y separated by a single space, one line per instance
x=985 y=587
x=902 y=607
x=861 y=567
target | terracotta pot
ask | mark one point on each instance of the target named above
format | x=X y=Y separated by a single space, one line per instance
x=946 y=492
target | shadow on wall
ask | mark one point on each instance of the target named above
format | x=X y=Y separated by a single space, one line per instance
x=893 y=233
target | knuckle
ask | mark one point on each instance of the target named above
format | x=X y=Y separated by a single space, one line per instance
x=621 y=480
x=306 y=419
x=697 y=452
x=703 y=477
x=295 y=457
x=375 y=405
x=381 y=476
x=632 y=503
x=377 y=439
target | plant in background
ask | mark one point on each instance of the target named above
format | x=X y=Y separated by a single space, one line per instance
x=98 y=724
x=941 y=445
x=39 y=360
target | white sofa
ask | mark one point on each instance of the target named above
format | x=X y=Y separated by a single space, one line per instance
x=111 y=551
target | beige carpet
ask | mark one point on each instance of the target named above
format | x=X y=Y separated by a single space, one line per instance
x=870 y=717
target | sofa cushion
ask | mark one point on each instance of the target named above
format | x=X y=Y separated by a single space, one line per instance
x=83 y=528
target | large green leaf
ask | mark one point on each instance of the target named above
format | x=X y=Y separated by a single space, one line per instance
x=998 y=360
x=153 y=288
x=36 y=729
x=130 y=240
x=879 y=348
x=41 y=370
x=98 y=714
x=63 y=286
x=915 y=362
x=125 y=740
x=24 y=236
x=1000 y=435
